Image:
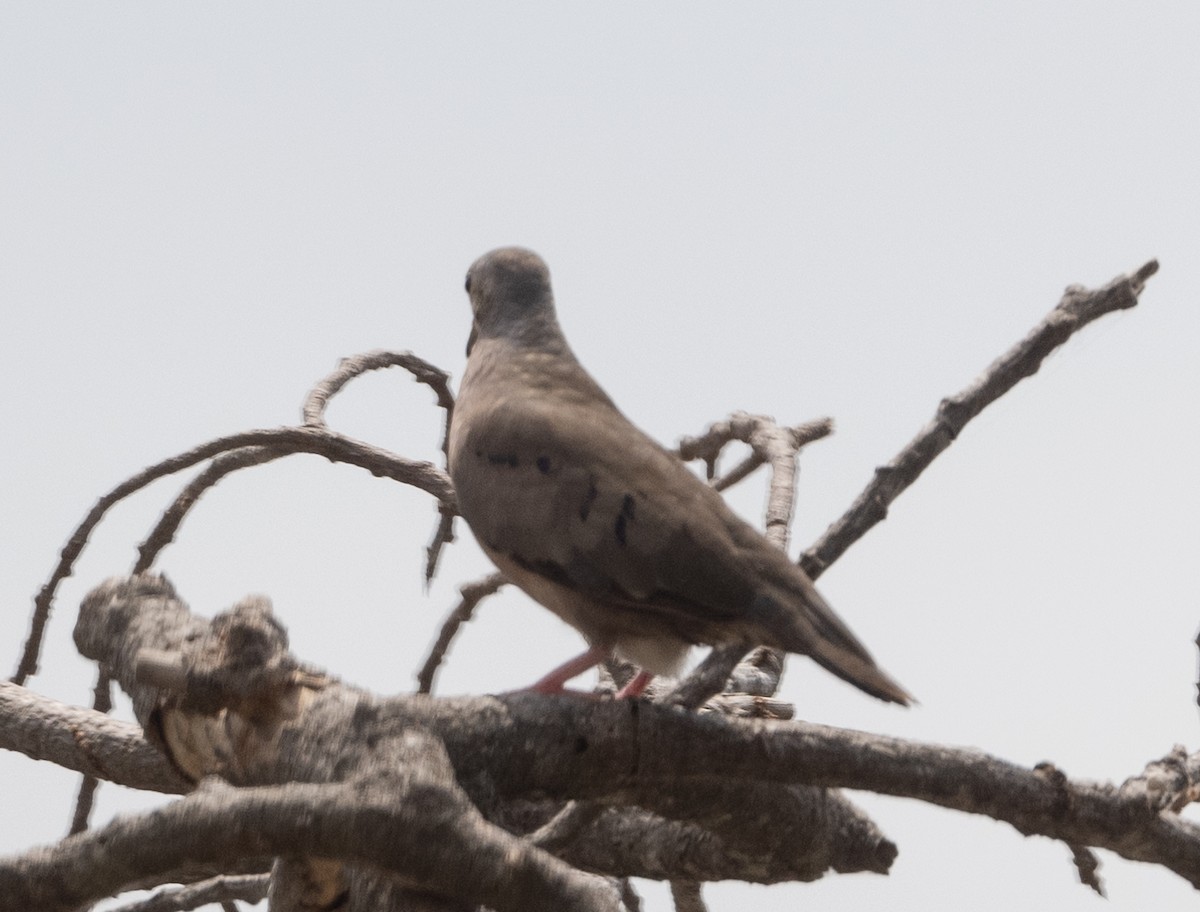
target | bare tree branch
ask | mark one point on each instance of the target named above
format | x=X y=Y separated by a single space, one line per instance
x=472 y=595
x=282 y=442
x=250 y=888
x=83 y=740
x=168 y=524
x=411 y=822
x=424 y=372
x=1088 y=866
x=709 y=677
x=565 y=826
x=629 y=896
x=777 y=447
x=432 y=376
x=84 y=800
x=757 y=431
x=655 y=756
x=1078 y=307
x=686 y=896
x=663 y=777
x=318 y=732
x=794 y=833
x=442 y=535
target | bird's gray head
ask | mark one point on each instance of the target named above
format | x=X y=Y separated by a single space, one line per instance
x=510 y=295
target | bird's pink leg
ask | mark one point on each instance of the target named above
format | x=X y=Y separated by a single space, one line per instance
x=553 y=682
x=636 y=685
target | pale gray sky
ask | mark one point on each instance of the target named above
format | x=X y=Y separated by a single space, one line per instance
x=804 y=209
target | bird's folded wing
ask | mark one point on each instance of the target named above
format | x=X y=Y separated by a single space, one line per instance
x=605 y=510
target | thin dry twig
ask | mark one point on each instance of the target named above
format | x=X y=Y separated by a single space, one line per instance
x=777 y=447
x=472 y=595
x=168 y=524
x=284 y=441
x=756 y=431
x=708 y=678
x=314 y=416
x=434 y=377
x=1078 y=307
x=563 y=828
x=84 y=801
x=251 y=888
x=1088 y=866
x=442 y=535
x=686 y=896
x=629 y=896
x=423 y=372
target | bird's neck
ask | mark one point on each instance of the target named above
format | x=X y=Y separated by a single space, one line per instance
x=540 y=334
x=548 y=368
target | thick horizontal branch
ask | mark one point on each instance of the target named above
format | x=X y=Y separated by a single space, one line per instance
x=632 y=752
x=528 y=745
x=127 y=620
x=410 y=821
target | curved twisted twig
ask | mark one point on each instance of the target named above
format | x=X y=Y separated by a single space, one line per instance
x=432 y=376
x=280 y=442
x=168 y=524
x=424 y=372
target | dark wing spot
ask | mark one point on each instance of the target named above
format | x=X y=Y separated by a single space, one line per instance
x=543 y=464
x=547 y=568
x=508 y=459
x=586 y=507
x=622 y=519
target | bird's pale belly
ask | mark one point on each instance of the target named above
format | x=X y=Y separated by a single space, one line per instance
x=659 y=654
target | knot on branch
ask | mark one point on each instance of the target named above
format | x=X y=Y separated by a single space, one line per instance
x=769 y=442
x=1166 y=784
x=240 y=663
x=952 y=416
x=758 y=674
x=1057 y=779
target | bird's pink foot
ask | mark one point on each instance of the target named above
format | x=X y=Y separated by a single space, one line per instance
x=636 y=686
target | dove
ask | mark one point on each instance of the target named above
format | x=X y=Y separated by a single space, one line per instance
x=599 y=523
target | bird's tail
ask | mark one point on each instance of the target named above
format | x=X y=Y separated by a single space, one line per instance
x=810 y=627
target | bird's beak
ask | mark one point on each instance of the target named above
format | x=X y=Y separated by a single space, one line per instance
x=471 y=338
